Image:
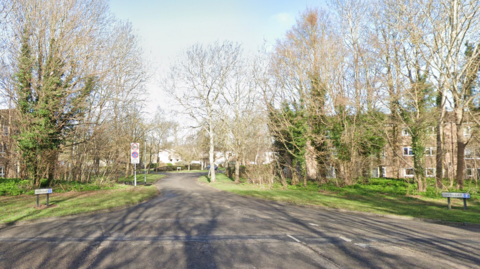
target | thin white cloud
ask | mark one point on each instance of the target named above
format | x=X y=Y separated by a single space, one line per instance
x=283 y=18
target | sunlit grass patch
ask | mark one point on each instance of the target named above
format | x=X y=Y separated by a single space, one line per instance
x=23 y=207
x=380 y=196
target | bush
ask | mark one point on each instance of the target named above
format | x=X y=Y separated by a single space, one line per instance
x=169 y=164
x=43 y=183
x=259 y=174
x=15 y=186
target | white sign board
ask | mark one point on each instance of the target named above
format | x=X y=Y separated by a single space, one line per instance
x=455 y=195
x=43 y=191
x=135 y=153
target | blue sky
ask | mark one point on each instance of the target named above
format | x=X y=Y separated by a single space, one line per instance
x=166 y=28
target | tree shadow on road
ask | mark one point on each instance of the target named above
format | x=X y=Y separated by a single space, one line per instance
x=191 y=226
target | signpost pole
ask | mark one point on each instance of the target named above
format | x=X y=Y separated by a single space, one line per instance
x=145 y=160
x=448 y=198
x=464 y=203
x=134 y=158
x=38 y=200
x=48 y=196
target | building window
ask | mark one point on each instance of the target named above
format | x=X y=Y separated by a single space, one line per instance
x=469 y=172
x=407 y=151
x=408 y=172
x=469 y=154
x=382 y=155
x=375 y=173
x=384 y=172
x=405 y=132
x=379 y=172
x=430 y=151
x=5 y=130
x=472 y=153
x=2 y=148
x=430 y=172
x=2 y=172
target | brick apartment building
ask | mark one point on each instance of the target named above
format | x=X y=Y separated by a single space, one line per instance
x=403 y=166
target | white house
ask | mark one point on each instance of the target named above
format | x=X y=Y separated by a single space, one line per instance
x=269 y=157
x=169 y=156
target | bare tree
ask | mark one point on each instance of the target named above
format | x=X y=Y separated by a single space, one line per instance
x=197 y=81
x=242 y=112
x=73 y=49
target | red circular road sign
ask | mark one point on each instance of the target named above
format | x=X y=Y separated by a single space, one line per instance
x=134 y=146
x=134 y=154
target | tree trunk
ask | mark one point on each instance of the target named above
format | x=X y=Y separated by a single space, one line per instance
x=237 y=169
x=310 y=162
x=461 y=144
x=295 y=179
x=439 y=157
x=288 y=162
x=212 y=161
x=52 y=167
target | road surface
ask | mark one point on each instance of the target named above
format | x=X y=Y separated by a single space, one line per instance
x=193 y=226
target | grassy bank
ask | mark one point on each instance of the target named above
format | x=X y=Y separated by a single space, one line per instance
x=18 y=201
x=380 y=196
x=22 y=207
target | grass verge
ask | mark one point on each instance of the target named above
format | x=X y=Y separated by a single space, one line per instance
x=386 y=200
x=23 y=207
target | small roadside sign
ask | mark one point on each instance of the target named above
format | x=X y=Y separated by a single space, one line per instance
x=135 y=154
x=134 y=146
x=461 y=195
x=43 y=191
x=455 y=195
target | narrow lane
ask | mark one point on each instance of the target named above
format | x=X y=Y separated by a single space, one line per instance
x=193 y=226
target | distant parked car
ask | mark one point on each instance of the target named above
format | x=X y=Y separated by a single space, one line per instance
x=216 y=167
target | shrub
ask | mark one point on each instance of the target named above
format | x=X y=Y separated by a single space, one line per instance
x=43 y=183
x=259 y=174
x=14 y=186
x=169 y=164
x=195 y=166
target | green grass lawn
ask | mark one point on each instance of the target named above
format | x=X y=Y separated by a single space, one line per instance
x=23 y=207
x=68 y=198
x=380 y=196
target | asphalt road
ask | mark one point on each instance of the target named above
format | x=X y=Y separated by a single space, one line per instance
x=193 y=226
